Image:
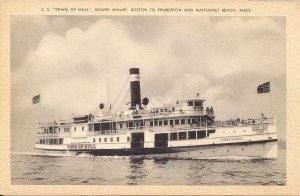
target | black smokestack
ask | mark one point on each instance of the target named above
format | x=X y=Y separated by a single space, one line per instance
x=135 y=87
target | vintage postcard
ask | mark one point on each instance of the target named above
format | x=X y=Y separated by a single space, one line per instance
x=148 y=97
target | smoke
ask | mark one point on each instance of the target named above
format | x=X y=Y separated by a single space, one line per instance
x=71 y=62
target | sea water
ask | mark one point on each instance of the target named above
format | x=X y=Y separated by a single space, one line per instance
x=67 y=169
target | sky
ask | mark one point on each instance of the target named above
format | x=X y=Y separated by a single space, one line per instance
x=77 y=62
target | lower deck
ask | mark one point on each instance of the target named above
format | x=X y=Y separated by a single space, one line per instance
x=151 y=141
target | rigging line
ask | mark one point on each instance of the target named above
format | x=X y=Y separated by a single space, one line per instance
x=188 y=90
x=120 y=107
x=183 y=87
x=119 y=95
x=123 y=104
x=158 y=97
x=107 y=92
x=153 y=103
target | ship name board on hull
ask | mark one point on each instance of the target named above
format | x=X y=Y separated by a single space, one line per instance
x=232 y=139
x=81 y=146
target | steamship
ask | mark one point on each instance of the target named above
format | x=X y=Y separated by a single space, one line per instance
x=185 y=129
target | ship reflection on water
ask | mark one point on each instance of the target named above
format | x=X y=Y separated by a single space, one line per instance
x=71 y=170
x=160 y=162
x=138 y=168
x=137 y=171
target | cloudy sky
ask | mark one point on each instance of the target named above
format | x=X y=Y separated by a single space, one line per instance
x=70 y=61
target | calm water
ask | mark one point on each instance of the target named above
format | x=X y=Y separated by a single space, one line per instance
x=65 y=170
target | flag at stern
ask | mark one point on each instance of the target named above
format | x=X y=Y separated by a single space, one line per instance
x=36 y=99
x=263 y=88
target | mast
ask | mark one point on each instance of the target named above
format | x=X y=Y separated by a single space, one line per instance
x=108 y=101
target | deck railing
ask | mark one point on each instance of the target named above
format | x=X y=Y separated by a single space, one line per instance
x=238 y=122
x=48 y=135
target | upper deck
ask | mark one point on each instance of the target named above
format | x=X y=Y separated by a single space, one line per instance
x=183 y=115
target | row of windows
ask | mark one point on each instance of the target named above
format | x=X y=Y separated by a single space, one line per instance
x=173 y=136
x=190 y=135
x=157 y=123
x=132 y=124
x=189 y=103
x=195 y=103
x=174 y=122
x=111 y=139
x=163 y=110
x=65 y=129
x=55 y=130
x=137 y=124
x=82 y=129
x=51 y=141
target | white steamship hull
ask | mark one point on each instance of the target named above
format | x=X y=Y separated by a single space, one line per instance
x=239 y=146
x=240 y=150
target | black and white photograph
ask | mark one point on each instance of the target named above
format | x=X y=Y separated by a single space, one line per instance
x=148 y=100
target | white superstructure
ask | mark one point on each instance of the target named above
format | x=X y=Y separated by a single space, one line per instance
x=186 y=129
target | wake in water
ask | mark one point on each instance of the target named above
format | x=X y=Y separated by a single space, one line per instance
x=64 y=154
x=86 y=155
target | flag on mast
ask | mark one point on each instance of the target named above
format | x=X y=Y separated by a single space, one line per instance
x=36 y=99
x=263 y=88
